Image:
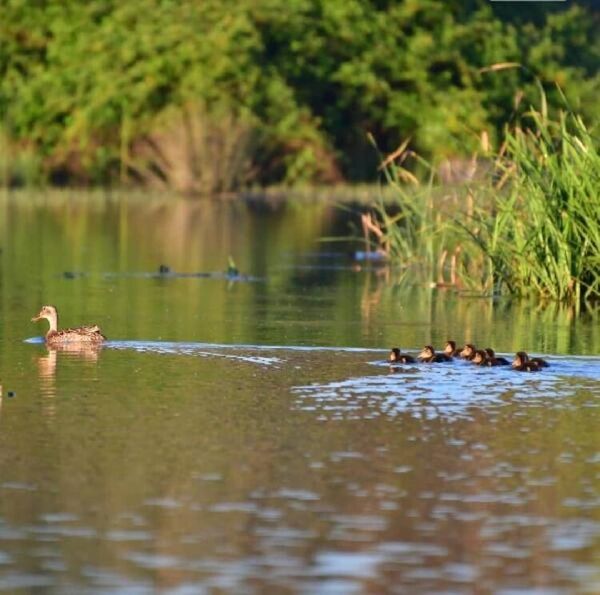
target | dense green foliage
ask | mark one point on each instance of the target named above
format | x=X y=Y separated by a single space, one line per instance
x=212 y=94
x=529 y=225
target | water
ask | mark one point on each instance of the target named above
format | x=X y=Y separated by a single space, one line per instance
x=245 y=435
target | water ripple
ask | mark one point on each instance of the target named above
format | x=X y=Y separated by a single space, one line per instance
x=452 y=389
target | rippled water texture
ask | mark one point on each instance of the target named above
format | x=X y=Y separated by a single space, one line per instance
x=244 y=434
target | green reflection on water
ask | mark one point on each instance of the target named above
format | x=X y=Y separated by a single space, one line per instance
x=335 y=303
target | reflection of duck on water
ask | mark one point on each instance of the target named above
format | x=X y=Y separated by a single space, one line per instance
x=82 y=334
x=396 y=357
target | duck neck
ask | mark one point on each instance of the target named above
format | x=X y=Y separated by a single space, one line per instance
x=53 y=320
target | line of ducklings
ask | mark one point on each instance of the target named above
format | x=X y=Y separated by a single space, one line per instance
x=480 y=357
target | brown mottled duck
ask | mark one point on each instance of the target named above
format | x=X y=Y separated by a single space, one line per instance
x=82 y=334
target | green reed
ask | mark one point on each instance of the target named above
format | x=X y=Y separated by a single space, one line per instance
x=543 y=233
x=531 y=225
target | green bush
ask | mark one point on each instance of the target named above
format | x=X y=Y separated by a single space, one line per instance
x=85 y=83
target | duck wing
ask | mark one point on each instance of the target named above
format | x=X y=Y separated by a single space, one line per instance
x=84 y=334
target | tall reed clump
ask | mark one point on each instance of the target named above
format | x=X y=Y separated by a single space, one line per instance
x=530 y=226
x=414 y=225
x=542 y=234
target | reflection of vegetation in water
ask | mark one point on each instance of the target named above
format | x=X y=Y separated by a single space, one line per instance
x=412 y=316
x=531 y=227
x=298 y=302
x=94 y=234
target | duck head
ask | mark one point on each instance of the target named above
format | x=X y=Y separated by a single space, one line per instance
x=468 y=351
x=394 y=355
x=50 y=314
x=480 y=357
x=427 y=352
x=520 y=359
x=450 y=347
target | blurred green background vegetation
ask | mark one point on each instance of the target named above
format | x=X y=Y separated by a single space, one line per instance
x=216 y=95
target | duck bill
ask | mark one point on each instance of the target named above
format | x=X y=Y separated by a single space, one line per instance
x=36 y=318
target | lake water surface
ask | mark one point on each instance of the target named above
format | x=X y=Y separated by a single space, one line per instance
x=245 y=435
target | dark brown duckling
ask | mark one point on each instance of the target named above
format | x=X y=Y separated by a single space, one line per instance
x=521 y=363
x=542 y=363
x=481 y=358
x=450 y=349
x=429 y=356
x=468 y=351
x=495 y=361
x=396 y=357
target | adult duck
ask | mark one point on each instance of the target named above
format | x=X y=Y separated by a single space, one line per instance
x=397 y=357
x=82 y=334
x=429 y=356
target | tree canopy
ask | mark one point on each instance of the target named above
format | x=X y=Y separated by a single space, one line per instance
x=276 y=90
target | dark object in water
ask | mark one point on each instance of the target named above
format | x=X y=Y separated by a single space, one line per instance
x=429 y=356
x=163 y=269
x=396 y=357
x=11 y=393
x=69 y=275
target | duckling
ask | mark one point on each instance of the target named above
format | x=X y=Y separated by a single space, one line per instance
x=468 y=351
x=396 y=357
x=542 y=363
x=480 y=358
x=521 y=363
x=495 y=361
x=450 y=349
x=429 y=356
x=82 y=334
